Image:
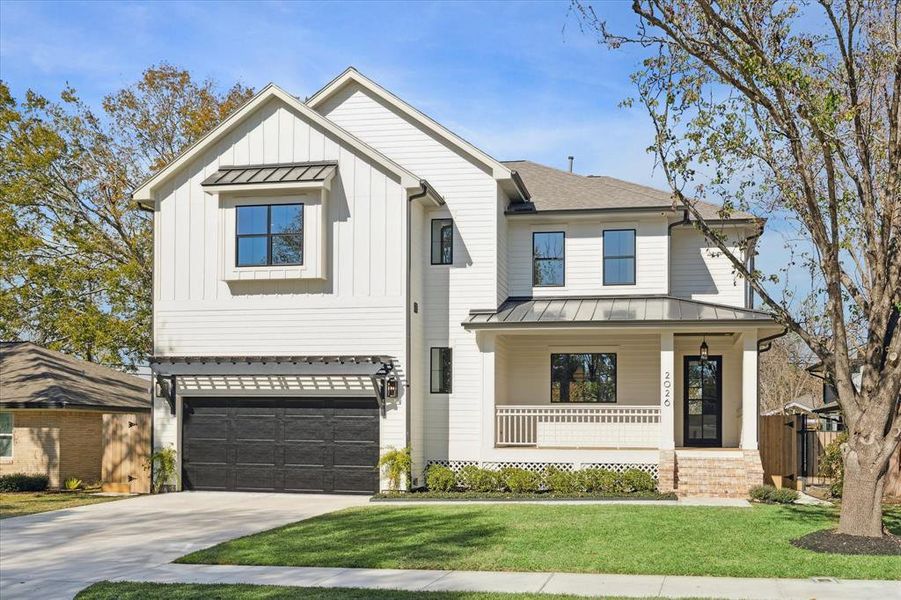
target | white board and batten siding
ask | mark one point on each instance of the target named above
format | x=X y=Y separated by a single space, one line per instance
x=358 y=308
x=452 y=422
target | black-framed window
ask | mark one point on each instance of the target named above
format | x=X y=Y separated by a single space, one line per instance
x=619 y=257
x=269 y=234
x=583 y=377
x=548 y=258
x=441 y=369
x=442 y=241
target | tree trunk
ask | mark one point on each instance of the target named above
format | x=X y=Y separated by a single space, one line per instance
x=861 y=512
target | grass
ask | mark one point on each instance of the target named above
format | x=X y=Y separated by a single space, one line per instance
x=17 y=504
x=663 y=540
x=107 y=590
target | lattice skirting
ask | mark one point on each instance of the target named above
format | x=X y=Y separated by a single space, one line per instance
x=539 y=467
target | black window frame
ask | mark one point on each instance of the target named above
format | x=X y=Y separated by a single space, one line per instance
x=598 y=401
x=633 y=256
x=269 y=235
x=445 y=382
x=562 y=260
x=450 y=224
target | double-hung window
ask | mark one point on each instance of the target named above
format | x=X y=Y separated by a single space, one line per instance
x=269 y=234
x=6 y=435
x=442 y=241
x=583 y=377
x=548 y=259
x=441 y=371
x=619 y=257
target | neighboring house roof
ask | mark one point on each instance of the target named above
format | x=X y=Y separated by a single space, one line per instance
x=611 y=311
x=35 y=377
x=144 y=192
x=556 y=190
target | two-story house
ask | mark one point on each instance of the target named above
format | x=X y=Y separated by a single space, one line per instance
x=341 y=276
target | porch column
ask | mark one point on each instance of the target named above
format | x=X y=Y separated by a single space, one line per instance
x=749 y=390
x=487 y=346
x=667 y=392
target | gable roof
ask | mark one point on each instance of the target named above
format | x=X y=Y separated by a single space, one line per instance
x=352 y=76
x=144 y=192
x=556 y=190
x=35 y=377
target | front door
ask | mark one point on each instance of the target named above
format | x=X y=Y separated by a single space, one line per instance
x=703 y=400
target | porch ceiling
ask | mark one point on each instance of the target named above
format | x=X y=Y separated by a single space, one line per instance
x=611 y=312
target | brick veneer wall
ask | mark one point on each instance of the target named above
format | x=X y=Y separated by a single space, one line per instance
x=58 y=443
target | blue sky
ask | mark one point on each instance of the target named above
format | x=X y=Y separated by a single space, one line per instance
x=519 y=80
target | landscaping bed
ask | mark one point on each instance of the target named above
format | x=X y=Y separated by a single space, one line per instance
x=627 y=539
x=429 y=496
x=829 y=541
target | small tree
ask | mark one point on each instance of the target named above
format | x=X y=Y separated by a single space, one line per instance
x=795 y=110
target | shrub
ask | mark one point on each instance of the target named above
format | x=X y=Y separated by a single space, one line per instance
x=479 y=480
x=162 y=465
x=396 y=464
x=520 y=481
x=23 y=482
x=832 y=464
x=762 y=493
x=600 y=480
x=636 y=480
x=440 y=479
x=562 y=482
x=73 y=483
x=772 y=495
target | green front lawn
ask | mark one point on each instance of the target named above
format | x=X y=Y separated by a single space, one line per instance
x=16 y=504
x=182 y=591
x=667 y=540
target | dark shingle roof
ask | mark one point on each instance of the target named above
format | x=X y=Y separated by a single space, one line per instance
x=552 y=189
x=615 y=311
x=35 y=377
x=274 y=173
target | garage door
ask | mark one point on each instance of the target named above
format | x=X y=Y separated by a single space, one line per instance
x=312 y=445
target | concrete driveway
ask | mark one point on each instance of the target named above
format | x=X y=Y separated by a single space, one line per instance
x=56 y=554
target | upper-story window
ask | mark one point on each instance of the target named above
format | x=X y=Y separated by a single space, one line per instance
x=548 y=263
x=619 y=257
x=269 y=234
x=442 y=241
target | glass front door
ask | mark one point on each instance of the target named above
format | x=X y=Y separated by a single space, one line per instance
x=703 y=400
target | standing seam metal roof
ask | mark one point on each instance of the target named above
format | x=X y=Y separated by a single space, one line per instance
x=272 y=173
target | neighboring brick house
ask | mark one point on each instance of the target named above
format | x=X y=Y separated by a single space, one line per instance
x=52 y=411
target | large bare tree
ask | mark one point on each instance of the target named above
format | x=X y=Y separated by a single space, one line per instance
x=793 y=110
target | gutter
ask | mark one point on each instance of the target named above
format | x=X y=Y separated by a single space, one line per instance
x=669 y=249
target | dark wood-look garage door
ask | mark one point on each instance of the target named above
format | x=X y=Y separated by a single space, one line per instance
x=309 y=445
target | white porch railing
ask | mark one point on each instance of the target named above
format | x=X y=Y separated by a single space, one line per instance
x=578 y=426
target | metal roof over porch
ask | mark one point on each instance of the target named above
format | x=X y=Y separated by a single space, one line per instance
x=611 y=311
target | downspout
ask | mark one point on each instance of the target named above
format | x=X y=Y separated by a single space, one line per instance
x=408 y=348
x=669 y=250
x=144 y=208
x=764 y=345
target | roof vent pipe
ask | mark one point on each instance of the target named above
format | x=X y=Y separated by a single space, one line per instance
x=570 y=158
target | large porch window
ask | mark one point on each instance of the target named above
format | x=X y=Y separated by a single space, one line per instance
x=583 y=377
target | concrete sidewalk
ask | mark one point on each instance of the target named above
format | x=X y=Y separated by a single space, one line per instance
x=636 y=586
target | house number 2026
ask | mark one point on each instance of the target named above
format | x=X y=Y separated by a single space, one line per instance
x=667 y=389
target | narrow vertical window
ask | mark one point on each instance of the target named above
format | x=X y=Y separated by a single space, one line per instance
x=548 y=263
x=619 y=257
x=6 y=435
x=269 y=234
x=442 y=376
x=442 y=241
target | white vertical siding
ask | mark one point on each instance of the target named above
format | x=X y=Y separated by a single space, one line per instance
x=584 y=251
x=701 y=272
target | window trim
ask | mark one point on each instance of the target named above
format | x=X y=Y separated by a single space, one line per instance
x=615 y=378
x=633 y=256
x=432 y=371
x=11 y=435
x=450 y=223
x=269 y=235
x=562 y=258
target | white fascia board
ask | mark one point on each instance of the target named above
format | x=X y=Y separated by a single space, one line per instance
x=144 y=193
x=498 y=170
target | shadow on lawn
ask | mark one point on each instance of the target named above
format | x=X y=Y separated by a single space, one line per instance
x=361 y=538
x=826 y=517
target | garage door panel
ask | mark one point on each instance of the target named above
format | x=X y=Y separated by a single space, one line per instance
x=281 y=444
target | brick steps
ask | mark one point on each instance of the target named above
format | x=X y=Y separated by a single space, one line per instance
x=723 y=474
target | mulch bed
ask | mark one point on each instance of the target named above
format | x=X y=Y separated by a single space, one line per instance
x=828 y=541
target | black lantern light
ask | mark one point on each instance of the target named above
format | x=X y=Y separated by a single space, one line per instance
x=391 y=387
x=704 y=350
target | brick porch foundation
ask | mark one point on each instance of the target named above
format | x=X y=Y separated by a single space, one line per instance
x=721 y=473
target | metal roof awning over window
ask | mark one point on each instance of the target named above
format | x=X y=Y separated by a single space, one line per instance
x=269 y=365
x=274 y=174
x=611 y=312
